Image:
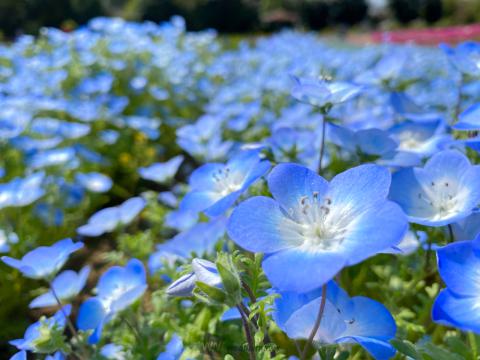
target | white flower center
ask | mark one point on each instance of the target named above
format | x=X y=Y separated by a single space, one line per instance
x=227 y=181
x=445 y=197
x=321 y=226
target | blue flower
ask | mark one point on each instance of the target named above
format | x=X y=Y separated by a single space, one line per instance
x=202 y=270
x=459 y=267
x=66 y=286
x=39 y=333
x=368 y=141
x=6 y=240
x=445 y=191
x=22 y=192
x=199 y=239
x=113 y=352
x=21 y=355
x=94 y=182
x=313 y=228
x=44 y=261
x=322 y=93
x=161 y=172
x=173 y=350
x=108 y=219
x=465 y=57
x=345 y=320
x=469 y=120
x=117 y=288
x=215 y=187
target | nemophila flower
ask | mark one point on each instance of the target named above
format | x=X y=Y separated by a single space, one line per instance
x=444 y=191
x=161 y=172
x=22 y=192
x=181 y=219
x=66 y=286
x=323 y=93
x=94 y=182
x=202 y=270
x=56 y=356
x=345 y=320
x=215 y=187
x=469 y=120
x=312 y=228
x=173 y=350
x=467 y=228
x=465 y=57
x=409 y=244
x=367 y=141
x=407 y=108
x=21 y=355
x=459 y=267
x=44 y=261
x=421 y=138
x=113 y=352
x=54 y=157
x=108 y=219
x=117 y=288
x=38 y=335
x=200 y=239
x=6 y=240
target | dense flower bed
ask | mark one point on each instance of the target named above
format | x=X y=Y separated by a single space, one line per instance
x=175 y=195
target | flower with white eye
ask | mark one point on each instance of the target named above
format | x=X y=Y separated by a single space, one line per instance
x=444 y=191
x=215 y=187
x=312 y=228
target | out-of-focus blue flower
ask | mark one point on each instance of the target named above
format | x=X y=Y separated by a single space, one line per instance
x=181 y=219
x=345 y=320
x=215 y=187
x=421 y=138
x=467 y=228
x=94 y=182
x=161 y=172
x=367 y=141
x=203 y=139
x=40 y=331
x=407 y=108
x=202 y=270
x=465 y=57
x=57 y=356
x=109 y=219
x=409 y=244
x=117 y=288
x=173 y=350
x=44 y=261
x=6 y=240
x=21 y=355
x=113 y=352
x=22 y=192
x=66 y=286
x=459 y=267
x=445 y=191
x=469 y=120
x=54 y=157
x=313 y=228
x=109 y=136
x=200 y=239
x=322 y=93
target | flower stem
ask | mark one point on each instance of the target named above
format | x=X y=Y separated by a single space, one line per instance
x=248 y=334
x=70 y=325
x=473 y=344
x=322 y=143
x=316 y=326
x=450 y=232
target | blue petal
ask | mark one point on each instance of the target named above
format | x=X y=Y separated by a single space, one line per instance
x=469 y=120
x=460 y=312
x=257 y=225
x=295 y=270
x=90 y=315
x=290 y=183
x=380 y=350
x=459 y=267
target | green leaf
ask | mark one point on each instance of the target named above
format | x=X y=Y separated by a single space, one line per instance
x=406 y=348
x=437 y=353
x=212 y=293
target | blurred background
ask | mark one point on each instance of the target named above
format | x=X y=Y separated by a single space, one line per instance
x=241 y=16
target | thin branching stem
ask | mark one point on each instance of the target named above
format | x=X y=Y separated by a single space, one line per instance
x=316 y=326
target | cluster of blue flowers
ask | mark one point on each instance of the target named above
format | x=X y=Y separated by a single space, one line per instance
x=240 y=188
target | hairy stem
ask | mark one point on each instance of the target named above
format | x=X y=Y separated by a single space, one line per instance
x=248 y=334
x=316 y=326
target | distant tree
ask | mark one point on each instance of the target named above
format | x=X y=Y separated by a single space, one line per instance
x=405 y=10
x=315 y=14
x=348 y=12
x=432 y=10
